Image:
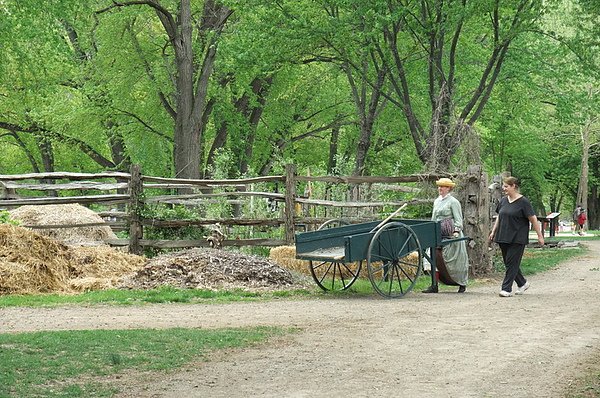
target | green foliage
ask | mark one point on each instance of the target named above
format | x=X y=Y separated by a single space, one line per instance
x=5 y=218
x=83 y=80
x=175 y=212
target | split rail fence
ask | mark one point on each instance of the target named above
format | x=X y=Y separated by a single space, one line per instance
x=123 y=196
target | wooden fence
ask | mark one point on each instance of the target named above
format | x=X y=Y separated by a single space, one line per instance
x=125 y=196
x=17 y=190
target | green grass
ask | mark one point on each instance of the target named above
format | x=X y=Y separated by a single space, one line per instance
x=131 y=297
x=74 y=363
x=540 y=260
x=537 y=260
x=586 y=387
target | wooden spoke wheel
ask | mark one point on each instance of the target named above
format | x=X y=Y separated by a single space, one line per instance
x=394 y=260
x=331 y=275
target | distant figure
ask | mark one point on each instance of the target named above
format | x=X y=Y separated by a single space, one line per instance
x=581 y=221
x=576 y=214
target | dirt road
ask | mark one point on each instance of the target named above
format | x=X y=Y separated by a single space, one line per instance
x=445 y=345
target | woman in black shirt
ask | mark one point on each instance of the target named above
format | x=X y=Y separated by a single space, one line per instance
x=511 y=232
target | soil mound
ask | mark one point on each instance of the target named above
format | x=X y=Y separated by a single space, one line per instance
x=210 y=269
x=65 y=215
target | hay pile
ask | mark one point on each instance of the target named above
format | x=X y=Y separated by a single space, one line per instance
x=210 y=269
x=101 y=267
x=285 y=256
x=70 y=260
x=64 y=215
x=32 y=263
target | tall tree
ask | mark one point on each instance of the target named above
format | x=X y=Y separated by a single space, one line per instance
x=194 y=44
x=445 y=35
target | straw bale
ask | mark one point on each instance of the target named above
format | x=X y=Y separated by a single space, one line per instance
x=412 y=258
x=285 y=256
x=64 y=215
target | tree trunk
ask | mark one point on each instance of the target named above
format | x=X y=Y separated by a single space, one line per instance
x=191 y=86
x=475 y=199
x=333 y=149
x=582 y=188
x=260 y=88
x=594 y=208
x=367 y=109
x=47 y=154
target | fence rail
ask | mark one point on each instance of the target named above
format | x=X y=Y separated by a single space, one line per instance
x=136 y=191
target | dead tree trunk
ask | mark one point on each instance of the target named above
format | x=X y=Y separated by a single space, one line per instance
x=475 y=200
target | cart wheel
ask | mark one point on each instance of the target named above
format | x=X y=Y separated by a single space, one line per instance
x=394 y=260
x=334 y=275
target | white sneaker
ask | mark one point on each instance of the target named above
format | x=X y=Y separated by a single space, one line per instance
x=522 y=289
x=504 y=293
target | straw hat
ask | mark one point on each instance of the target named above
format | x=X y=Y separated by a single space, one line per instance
x=445 y=182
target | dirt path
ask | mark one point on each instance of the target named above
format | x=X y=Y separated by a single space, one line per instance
x=445 y=345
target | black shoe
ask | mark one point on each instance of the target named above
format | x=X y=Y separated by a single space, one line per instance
x=461 y=289
x=430 y=289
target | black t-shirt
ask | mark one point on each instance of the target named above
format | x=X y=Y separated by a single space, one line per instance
x=513 y=224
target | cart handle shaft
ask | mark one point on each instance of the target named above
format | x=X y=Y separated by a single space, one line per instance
x=389 y=217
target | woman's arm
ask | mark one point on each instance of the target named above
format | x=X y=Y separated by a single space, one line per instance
x=457 y=217
x=536 y=226
x=494 y=228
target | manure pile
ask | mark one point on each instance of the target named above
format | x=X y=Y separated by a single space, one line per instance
x=210 y=269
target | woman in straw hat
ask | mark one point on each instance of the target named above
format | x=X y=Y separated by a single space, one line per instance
x=447 y=210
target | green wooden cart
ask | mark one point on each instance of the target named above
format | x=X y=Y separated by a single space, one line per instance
x=393 y=252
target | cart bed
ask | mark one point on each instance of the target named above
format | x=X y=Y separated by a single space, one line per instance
x=330 y=253
x=349 y=243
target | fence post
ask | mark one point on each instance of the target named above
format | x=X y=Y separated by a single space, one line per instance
x=290 y=202
x=135 y=205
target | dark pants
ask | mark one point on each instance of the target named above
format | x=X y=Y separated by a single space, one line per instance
x=512 y=253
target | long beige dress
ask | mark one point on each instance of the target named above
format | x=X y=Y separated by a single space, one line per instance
x=455 y=254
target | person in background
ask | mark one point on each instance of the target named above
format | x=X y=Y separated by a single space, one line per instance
x=576 y=214
x=581 y=219
x=447 y=211
x=511 y=232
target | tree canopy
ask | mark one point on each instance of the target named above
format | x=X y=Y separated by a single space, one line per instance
x=195 y=88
